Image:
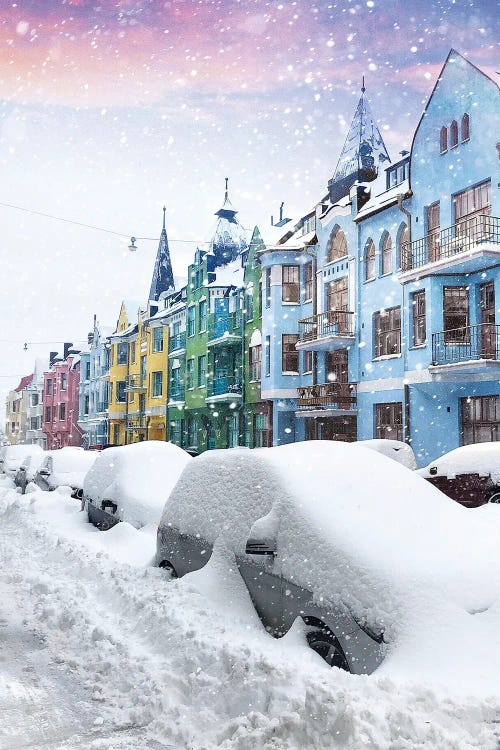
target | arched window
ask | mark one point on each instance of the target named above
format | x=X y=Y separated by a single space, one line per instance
x=404 y=251
x=453 y=134
x=443 y=139
x=369 y=261
x=465 y=127
x=386 y=254
x=337 y=247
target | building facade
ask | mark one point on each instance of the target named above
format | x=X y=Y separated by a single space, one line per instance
x=34 y=415
x=94 y=389
x=61 y=400
x=16 y=412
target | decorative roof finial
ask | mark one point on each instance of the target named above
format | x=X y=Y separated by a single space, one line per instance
x=164 y=211
x=363 y=86
x=227 y=181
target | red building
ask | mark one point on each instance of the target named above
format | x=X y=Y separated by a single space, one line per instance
x=60 y=400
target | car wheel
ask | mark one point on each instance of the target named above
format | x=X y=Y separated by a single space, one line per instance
x=169 y=568
x=494 y=497
x=327 y=646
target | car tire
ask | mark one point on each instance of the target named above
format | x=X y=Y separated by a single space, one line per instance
x=494 y=497
x=167 y=566
x=326 y=645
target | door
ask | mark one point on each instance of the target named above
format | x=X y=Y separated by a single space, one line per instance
x=263 y=580
x=488 y=330
x=433 y=224
x=336 y=366
x=337 y=304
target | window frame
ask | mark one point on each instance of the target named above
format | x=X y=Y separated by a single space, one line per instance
x=370 y=261
x=290 y=287
x=450 y=333
x=155 y=381
x=289 y=352
x=308 y=281
x=386 y=253
x=419 y=320
x=389 y=419
x=387 y=336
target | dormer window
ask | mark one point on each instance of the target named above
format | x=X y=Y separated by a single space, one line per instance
x=443 y=140
x=309 y=224
x=397 y=174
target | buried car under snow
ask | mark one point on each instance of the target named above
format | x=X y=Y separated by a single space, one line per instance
x=65 y=467
x=28 y=469
x=347 y=539
x=12 y=456
x=131 y=483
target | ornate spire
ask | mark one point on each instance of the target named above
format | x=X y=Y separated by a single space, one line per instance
x=163 y=277
x=229 y=237
x=363 y=151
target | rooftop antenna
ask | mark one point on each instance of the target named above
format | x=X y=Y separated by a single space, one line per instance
x=363 y=89
x=227 y=182
x=164 y=211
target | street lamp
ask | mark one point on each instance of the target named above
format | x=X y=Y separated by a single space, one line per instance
x=132 y=247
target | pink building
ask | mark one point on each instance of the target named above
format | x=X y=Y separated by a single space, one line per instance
x=60 y=400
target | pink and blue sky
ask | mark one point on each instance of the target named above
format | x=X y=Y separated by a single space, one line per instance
x=108 y=110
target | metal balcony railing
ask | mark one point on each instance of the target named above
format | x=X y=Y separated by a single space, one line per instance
x=177 y=393
x=332 y=323
x=327 y=396
x=222 y=385
x=464 y=344
x=466 y=234
x=135 y=383
x=136 y=422
x=178 y=341
x=225 y=325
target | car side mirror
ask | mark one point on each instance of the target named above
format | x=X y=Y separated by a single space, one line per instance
x=433 y=471
x=44 y=472
x=263 y=536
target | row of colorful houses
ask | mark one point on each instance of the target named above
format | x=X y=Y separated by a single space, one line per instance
x=372 y=315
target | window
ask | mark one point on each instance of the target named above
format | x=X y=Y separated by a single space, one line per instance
x=290 y=289
x=122 y=354
x=308 y=282
x=116 y=434
x=54 y=413
x=453 y=134
x=86 y=405
x=433 y=221
x=370 y=261
x=250 y=303
x=480 y=419
x=47 y=413
x=465 y=128
x=387 y=332
x=309 y=224
x=191 y=321
x=48 y=389
x=389 y=421
x=193 y=432
x=34 y=424
x=34 y=399
x=471 y=208
x=255 y=362
x=456 y=314
x=419 y=328
x=176 y=431
x=203 y=316
x=120 y=391
x=157 y=383
x=190 y=373
x=261 y=431
x=386 y=254
x=308 y=362
x=132 y=352
x=64 y=381
x=87 y=370
x=337 y=295
x=289 y=354
x=62 y=412
x=404 y=249
x=202 y=370
x=443 y=139
x=268 y=287
x=337 y=247
x=268 y=355
x=157 y=339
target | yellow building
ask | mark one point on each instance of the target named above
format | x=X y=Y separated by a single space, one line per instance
x=122 y=365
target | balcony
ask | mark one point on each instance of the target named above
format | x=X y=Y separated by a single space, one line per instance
x=225 y=329
x=327 y=398
x=135 y=383
x=136 y=421
x=472 y=244
x=473 y=349
x=176 y=343
x=224 y=388
x=326 y=331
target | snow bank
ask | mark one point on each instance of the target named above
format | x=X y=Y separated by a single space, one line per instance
x=12 y=457
x=137 y=478
x=482 y=459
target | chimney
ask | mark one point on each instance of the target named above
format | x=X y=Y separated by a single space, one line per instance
x=67 y=347
x=281 y=210
x=52 y=358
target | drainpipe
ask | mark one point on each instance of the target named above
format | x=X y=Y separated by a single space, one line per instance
x=243 y=351
x=314 y=309
x=406 y=392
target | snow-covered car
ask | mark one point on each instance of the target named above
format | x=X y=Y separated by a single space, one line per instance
x=348 y=540
x=395 y=449
x=132 y=482
x=12 y=456
x=470 y=474
x=28 y=469
x=65 y=467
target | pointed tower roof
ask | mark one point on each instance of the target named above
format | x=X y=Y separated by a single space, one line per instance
x=229 y=238
x=363 y=151
x=163 y=277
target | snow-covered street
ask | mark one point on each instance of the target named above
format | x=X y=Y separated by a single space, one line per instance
x=100 y=652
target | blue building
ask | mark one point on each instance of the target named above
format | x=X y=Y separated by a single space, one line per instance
x=94 y=388
x=379 y=306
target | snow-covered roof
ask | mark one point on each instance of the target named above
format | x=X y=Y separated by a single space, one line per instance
x=229 y=275
x=24 y=383
x=132 y=308
x=377 y=202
